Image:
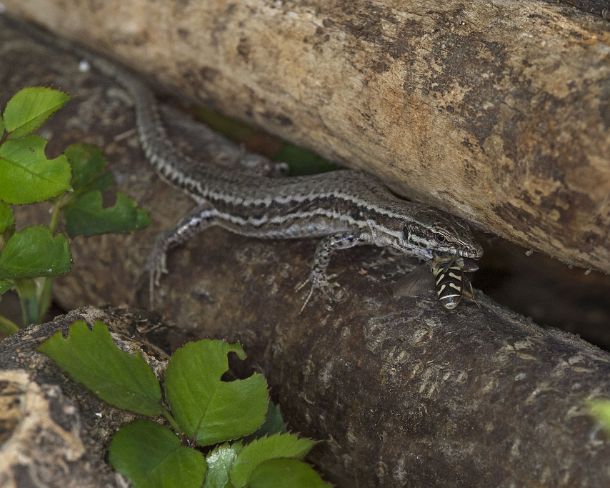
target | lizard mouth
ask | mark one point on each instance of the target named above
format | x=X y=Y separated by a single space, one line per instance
x=470 y=254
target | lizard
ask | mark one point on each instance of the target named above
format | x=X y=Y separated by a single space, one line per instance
x=343 y=208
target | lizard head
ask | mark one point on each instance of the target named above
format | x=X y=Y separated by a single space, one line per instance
x=435 y=233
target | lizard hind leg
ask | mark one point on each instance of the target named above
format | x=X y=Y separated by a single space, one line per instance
x=200 y=218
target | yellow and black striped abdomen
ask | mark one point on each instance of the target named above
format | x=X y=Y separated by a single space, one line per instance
x=449 y=282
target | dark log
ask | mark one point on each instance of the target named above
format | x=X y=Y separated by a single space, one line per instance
x=497 y=111
x=404 y=392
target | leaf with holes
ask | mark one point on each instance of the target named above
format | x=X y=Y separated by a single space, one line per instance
x=34 y=252
x=152 y=456
x=90 y=357
x=30 y=107
x=88 y=168
x=27 y=176
x=87 y=216
x=265 y=448
x=208 y=409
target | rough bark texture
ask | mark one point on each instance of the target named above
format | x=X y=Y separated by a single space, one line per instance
x=600 y=8
x=401 y=400
x=497 y=111
x=404 y=392
x=53 y=433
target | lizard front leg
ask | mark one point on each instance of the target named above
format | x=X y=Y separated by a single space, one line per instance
x=318 y=278
x=200 y=218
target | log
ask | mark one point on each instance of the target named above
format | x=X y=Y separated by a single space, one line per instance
x=425 y=419
x=403 y=392
x=595 y=7
x=496 y=111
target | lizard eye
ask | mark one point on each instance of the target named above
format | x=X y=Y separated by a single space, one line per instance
x=440 y=237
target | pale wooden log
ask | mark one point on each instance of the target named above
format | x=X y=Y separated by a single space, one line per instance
x=404 y=392
x=600 y=8
x=498 y=111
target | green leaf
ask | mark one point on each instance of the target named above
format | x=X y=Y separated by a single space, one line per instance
x=219 y=462
x=88 y=167
x=274 y=422
x=302 y=161
x=600 y=409
x=142 y=219
x=90 y=357
x=87 y=216
x=27 y=176
x=6 y=217
x=260 y=450
x=29 y=108
x=1 y=126
x=6 y=285
x=151 y=456
x=286 y=473
x=208 y=409
x=34 y=252
x=7 y=327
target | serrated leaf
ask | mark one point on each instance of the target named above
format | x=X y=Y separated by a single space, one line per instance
x=265 y=448
x=151 y=456
x=88 y=167
x=34 y=252
x=286 y=473
x=27 y=176
x=30 y=107
x=7 y=219
x=6 y=285
x=87 y=216
x=219 y=462
x=208 y=409
x=90 y=357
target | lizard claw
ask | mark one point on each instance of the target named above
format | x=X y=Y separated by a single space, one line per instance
x=156 y=267
x=330 y=289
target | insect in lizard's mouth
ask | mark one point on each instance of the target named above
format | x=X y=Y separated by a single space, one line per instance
x=471 y=254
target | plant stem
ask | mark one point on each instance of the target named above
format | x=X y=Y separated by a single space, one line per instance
x=26 y=289
x=172 y=421
x=45 y=290
x=7 y=327
x=45 y=294
x=57 y=206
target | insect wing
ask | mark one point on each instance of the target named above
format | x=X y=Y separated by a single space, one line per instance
x=417 y=283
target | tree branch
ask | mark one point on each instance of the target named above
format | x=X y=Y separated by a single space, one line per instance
x=496 y=111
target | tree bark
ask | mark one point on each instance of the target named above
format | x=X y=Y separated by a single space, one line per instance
x=495 y=111
x=403 y=392
x=600 y=8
